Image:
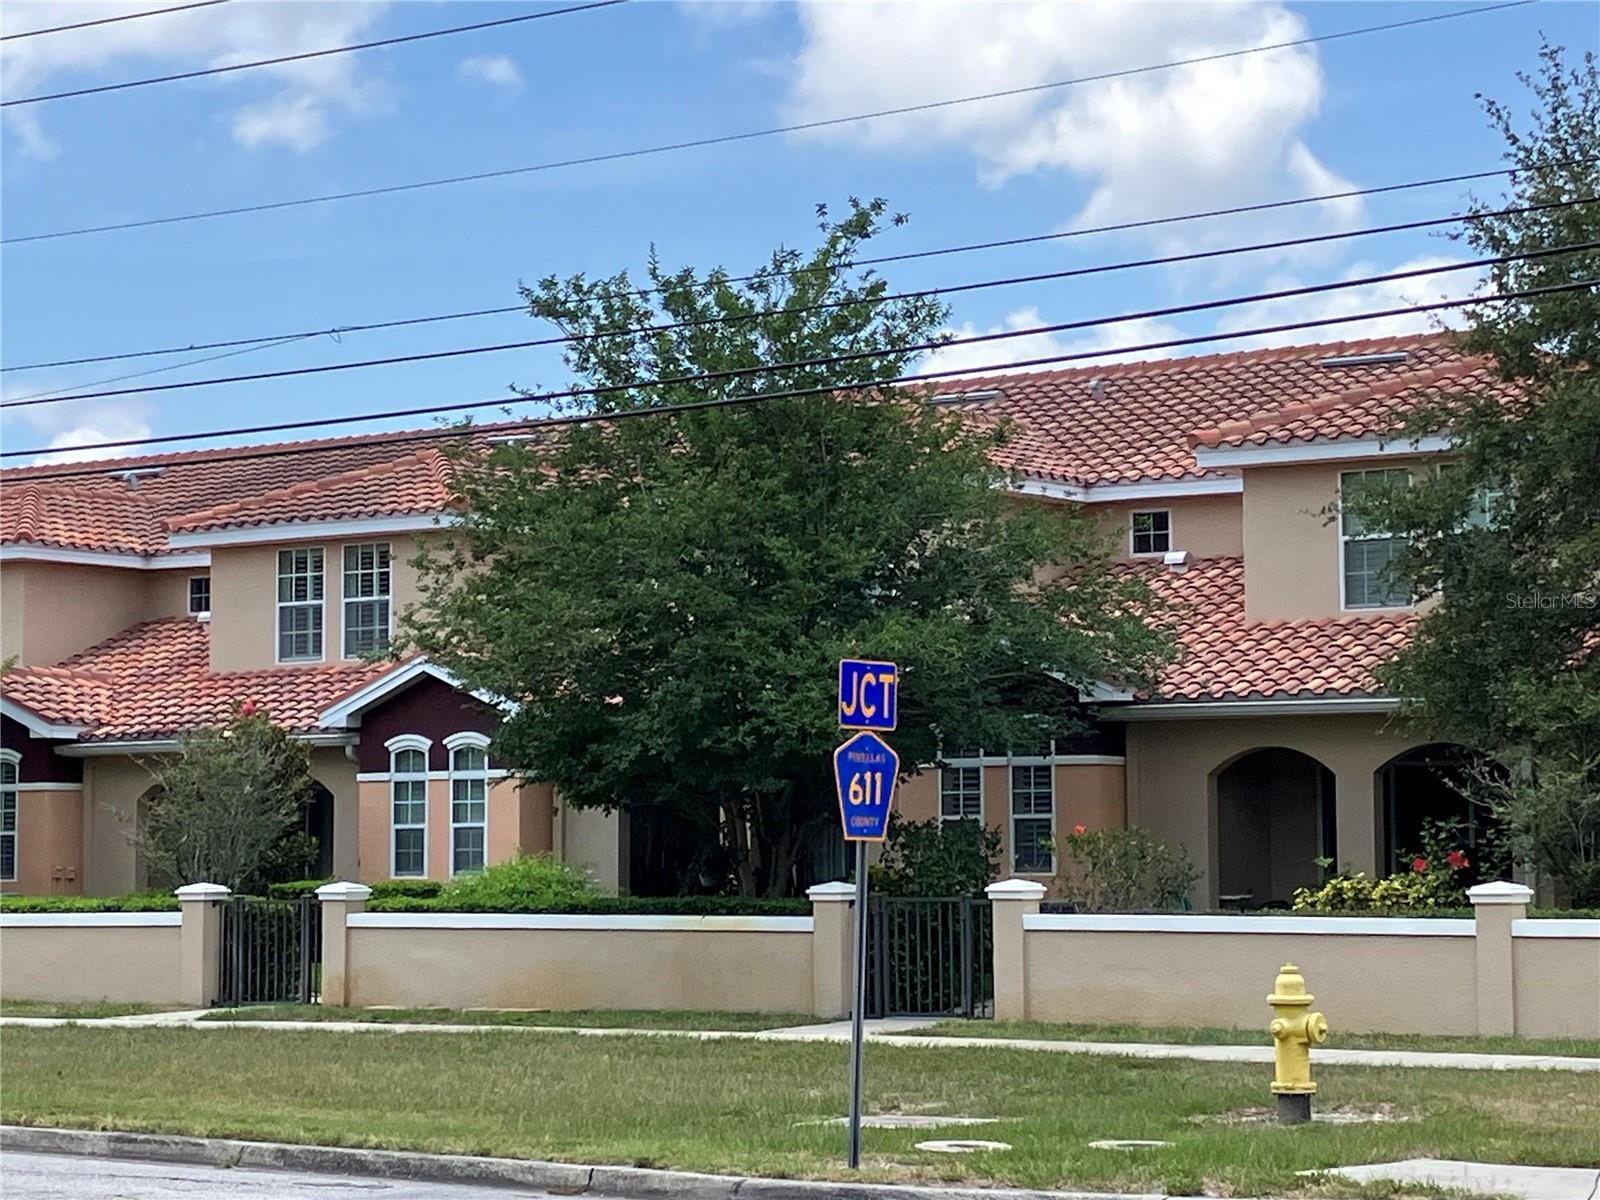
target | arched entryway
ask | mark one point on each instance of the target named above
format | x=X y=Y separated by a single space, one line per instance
x=1427 y=787
x=1275 y=818
x=319 y=824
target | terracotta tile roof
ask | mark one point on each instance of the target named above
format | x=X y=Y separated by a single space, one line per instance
x=1134 y=423
x=1361 y=412
x=100 y=517
x=154 y=680
x=418 y=482
x=1225 y=658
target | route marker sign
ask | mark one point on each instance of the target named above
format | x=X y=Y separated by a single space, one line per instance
x=869 y=694
x=865 y=770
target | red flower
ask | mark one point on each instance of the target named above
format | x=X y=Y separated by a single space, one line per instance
x=1419 y=864
x=1457 y=859
x=247 y=709
x=1080 y=830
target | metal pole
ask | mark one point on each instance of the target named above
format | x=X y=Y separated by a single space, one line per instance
x=858 y=1004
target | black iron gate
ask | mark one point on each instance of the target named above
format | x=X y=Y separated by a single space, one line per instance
x=929 y=957
x=271 y=951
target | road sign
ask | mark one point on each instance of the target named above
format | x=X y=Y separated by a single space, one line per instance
x=868 y=694
x=865 y=770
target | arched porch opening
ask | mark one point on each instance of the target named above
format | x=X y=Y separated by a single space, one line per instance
x=1424 y=789
x=1274 y=820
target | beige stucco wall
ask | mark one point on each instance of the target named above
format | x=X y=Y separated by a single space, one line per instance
x=1222 y=979
x=573 y=968
x=49 y=842
x=244 y=591
x=334 y=770
x=167 y=592
x=49 y=611
x=593 y=841
x=90 y=959
x=1171 y=768
x=519 y=820
x=1205 y=526
x=112 y=787
x=1557 y=986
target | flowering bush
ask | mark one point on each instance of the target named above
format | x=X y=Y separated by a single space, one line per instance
x=1437 y=879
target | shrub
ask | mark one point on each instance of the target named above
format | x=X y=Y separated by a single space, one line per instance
x=530 y=882
x=133 y=902
x=1124 y=870
x=295 y=888
x=1438 y=879
x=937 y=858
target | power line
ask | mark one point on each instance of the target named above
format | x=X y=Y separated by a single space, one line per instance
x=133 y=16
x=724 y=139
x=721 y=319
x=288 y=58
x=46 y=397
x=831 y=360
x=336 y=330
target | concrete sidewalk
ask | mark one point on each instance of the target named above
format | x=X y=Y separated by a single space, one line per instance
x=891 y=1032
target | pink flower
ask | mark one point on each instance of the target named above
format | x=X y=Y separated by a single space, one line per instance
x=247 y=709
x=1080 y=830
x=1419 y=864
x=1457 y=859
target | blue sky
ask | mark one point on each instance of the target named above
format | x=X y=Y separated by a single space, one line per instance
x=1363 y=111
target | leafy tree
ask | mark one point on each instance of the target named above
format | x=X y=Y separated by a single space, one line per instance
x=667 y=599
x=1123 y=870
x=937 y=858
x=227 y=807
x=1508 y=539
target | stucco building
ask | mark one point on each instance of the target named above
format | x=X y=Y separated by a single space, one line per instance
x=142 y=598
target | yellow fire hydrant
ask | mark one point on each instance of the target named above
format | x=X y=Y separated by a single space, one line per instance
x=1295 y=1030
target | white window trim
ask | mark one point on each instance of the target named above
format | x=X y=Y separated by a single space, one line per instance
x=345 y=601
x=1345 y=540
x=15 y=759
x=963 y=764
x=409 y=741
x=203 y=614
x=468 y=739
x=279 y=605
x=1132 y=513
x=1011 y=811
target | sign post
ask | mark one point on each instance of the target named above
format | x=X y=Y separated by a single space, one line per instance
x=865 y=770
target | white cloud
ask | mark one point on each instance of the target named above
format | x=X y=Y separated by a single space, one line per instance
x=1211 y=135
x=65 y=427
x=982 y=356
x=296 y=114
x=496 y=69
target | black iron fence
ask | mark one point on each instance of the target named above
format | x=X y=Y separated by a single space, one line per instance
x=271 y=951
x=930 y=957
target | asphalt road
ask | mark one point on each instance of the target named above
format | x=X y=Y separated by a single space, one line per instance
x=69 y=1177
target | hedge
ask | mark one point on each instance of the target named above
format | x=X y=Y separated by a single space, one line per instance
x=382 y=888
x=137 y=902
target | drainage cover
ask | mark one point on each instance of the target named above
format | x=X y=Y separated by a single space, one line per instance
x=962 y=1146
x=1126 y=1144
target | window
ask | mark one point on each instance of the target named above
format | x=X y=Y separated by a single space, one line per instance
x=8 y=815
x=1152 y=532
x=366 y=598
x=300 y=604
x=960 y=793
x=469 y=802
x=1367 y=551
x=408 y=806
x=199 y=595
x=1033 y=807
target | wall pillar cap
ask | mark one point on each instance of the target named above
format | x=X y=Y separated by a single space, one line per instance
x=343 y=890
x=1015 y=889
x=1500 y=892
x=838 y=892
x=202 y=891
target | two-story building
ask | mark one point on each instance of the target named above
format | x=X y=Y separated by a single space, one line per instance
x=144 y=599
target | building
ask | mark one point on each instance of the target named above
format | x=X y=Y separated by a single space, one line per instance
x=146 y=596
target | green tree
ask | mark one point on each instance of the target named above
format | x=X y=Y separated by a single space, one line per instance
x=666 y=600
x=1507 y=539
x=227 y=807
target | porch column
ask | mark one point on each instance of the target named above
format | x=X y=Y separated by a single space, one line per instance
x=1494 y=907
x=1013 y=900
x=200 y=943
x=1356 y=816
x=831 y=943
x=339 y=900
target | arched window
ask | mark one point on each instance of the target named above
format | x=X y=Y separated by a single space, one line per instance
x=408 y=805
x=9 y=761
x=469 y=800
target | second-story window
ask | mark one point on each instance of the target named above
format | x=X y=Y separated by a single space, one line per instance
x=199 y=594
x=1152 y=532
x=1367 y=551
x=300 y=604
x=8 y=815
x=366 y=598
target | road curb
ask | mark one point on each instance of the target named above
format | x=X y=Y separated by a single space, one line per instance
x=635 y=1183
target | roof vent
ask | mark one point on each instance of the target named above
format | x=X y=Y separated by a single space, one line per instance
x=1097 y=388
x=132 y=475
x=1177 y=560
x=1388 y=358
x=977 y=394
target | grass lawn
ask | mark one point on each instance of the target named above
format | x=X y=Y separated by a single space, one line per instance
x=745 y=1106
x=731 y=1022
x=76 y=1010
x=1170 y=1035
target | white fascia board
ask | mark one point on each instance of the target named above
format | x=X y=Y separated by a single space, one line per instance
x=1271 y=926
x=1185 y=710
x=111 y=749
x=126 y=559
x=290 y=531
x=346 y=714
x=39 y=727
x=1115 y=493
x=1275 y=454
x=1050 y=489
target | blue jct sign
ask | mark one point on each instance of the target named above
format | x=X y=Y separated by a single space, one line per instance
x=865 y=770
x=868 y=694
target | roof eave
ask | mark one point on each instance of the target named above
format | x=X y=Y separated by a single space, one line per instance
x=1274 y=454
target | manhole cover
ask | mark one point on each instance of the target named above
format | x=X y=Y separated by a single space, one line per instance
x=962 y=1146
x=1126 y=1144
x=905 y=1121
